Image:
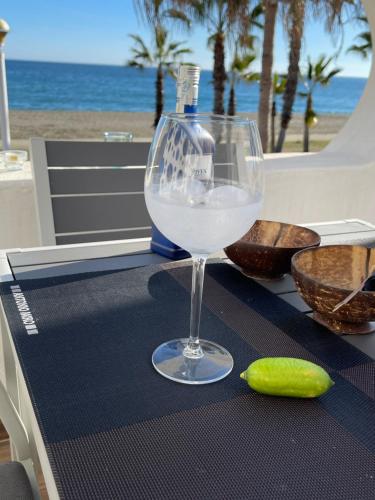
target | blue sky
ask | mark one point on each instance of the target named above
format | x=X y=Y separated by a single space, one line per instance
x=96 y=31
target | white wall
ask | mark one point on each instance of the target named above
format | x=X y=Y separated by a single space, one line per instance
x=299 y=190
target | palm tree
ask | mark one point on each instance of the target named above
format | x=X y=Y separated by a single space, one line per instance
x=240 y=70
x=164 y=53
x=243 y=57
x=221 y=17
x=315 y=75
x=294 y=12
x=365 y=45
x=164 y=56
x=296 y=15
x=270 y=13
x=278 y=88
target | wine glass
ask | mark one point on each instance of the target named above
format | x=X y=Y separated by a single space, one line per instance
x=203 y=191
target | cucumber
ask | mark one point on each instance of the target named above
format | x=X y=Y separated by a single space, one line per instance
x=292 y=377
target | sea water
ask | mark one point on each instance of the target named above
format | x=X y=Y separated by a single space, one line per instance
x=89 y=87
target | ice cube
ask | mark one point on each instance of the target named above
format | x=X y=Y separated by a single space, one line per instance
x=164 y=190
x=195 y=191
x=188 y=192
x=195 y=187
x=178 y=196
x=227 y=196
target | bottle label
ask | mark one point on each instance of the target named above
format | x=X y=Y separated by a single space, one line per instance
x=199 y=166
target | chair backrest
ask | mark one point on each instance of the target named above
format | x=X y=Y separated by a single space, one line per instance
x=89 y=191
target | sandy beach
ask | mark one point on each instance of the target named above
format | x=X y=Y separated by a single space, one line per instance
x=92 y=124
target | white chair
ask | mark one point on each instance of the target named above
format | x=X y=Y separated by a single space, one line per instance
x=17 y=478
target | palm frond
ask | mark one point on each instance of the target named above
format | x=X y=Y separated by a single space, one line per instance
x=140 y=50
x=255 y=14
x=251 y=77
x=146 y=56
x=247 y=41
x=199 y=10
x=181 y=52
x=365 y=48
x=366 y=37
x=171 y=71
x=362 y=19
x=325 y=63
x=135 y=64
x=359 y=49
x=310 y=70
x=316 y=73
x=234 y=10
x=240 y=64
x=211 y=41
x=139 y=40
x=326 y=80
x=248 y=59
x=160 y=38
x=173 y=46
x=279 y=83
x=148 y=10
x=178 y=15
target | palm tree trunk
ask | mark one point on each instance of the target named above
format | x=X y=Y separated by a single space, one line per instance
x=266 y=74
x=232 y=98
x=219 y=74
x=305 y=138
x=273 y=132
x=296 y=32
x=306 y=130
x=159 y=95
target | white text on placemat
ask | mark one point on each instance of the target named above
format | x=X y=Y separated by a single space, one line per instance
x=24 y=310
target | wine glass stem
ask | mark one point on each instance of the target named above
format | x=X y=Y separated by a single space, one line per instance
x=193 y=349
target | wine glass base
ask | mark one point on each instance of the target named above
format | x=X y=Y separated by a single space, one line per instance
x=215 y=364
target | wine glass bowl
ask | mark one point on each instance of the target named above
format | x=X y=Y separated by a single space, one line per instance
x=203 y=190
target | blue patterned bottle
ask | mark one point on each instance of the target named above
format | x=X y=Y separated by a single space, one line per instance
x=193 y=139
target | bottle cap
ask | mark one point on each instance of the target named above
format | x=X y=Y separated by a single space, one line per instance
x=189 y=72
x=187 y=86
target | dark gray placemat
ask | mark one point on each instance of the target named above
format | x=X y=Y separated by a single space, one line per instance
x=114 y=428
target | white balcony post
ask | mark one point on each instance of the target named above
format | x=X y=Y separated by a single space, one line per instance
x=4 y=111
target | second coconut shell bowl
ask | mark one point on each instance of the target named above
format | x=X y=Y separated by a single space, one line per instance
x=266 y=250
x=327 y=275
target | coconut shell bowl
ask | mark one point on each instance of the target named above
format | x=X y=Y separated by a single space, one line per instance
x=327 y=275
x=266 y=250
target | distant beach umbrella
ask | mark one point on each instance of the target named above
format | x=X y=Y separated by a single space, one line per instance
x=4 y=111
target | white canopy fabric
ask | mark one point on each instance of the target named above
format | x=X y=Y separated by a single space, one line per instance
x=336 y=183
x=358 y=134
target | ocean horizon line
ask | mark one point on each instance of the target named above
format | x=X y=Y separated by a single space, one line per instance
x=127 y=66
x=87 y=63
